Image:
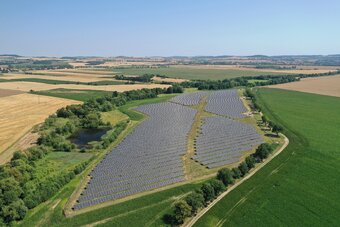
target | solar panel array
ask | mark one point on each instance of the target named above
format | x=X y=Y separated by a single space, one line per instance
x=189 y=99
x=221 y=141
x=148 y=158
x=226 y=102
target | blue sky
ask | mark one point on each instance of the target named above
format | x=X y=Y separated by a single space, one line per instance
x=168 y=28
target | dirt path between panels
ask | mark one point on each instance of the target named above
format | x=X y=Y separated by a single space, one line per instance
x=206 y=209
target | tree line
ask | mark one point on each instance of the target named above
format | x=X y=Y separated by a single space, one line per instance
x=209 y=191
x=244 y=81
x=275 y=128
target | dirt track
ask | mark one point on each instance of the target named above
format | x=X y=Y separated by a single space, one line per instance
x=328 y=85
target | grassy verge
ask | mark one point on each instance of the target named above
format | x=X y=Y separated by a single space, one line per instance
x=297 y=188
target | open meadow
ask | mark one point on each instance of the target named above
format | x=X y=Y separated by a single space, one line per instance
x=299 y=187
x=19 y=113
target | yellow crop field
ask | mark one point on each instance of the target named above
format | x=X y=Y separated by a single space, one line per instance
x=328 y=85
x=27 y=86
x=72 y=78
x=19 y=113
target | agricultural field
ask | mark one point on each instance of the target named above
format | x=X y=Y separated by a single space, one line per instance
x=28 y=86
x=298 y=187
x=61 y=77
x=329 y=85
x=19 y=113
x=42 y=80
x=190 y=73
x=75 y=94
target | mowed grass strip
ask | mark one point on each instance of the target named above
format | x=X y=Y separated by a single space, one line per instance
x=194 y=73
x=299 y=187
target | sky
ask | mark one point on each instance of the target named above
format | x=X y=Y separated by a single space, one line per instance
x=169 y=28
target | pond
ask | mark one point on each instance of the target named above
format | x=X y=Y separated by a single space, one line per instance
x=83 y=136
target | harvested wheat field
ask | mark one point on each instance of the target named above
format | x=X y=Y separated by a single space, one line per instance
x=19 y=113
x=72 y=78
x=27 y=86
x=298 y=70
x=74 y=73
x=328 y=85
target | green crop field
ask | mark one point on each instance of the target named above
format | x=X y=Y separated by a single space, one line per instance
x=300 y=187
x=75 y=94
x=194 y=73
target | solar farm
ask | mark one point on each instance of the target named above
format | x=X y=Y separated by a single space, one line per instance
x=223 y=140
x=151 y=156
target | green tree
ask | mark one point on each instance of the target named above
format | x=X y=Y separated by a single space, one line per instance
x=226 y=176
x=250 y=160
x=236 y=173
x=263 y=151
x=243 y=168
x=14 y=211
x=277 y=129
x=182 y=211
x=196 y=201
x=218 y=186
x=208 y=192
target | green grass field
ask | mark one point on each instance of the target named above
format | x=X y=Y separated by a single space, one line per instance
x=194 y=73
x=75 y=94
x=300 y=187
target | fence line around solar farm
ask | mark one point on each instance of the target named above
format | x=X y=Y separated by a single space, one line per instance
x=148 y=158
